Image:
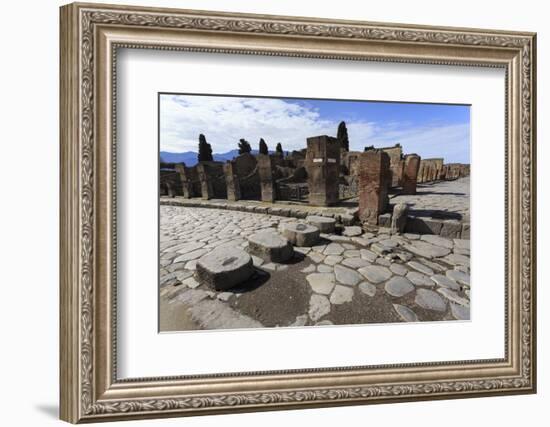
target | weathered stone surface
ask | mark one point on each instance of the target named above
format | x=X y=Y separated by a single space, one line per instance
x=352 y=231
x=224 y=268
x=456 y=259
x=405 y=313
x=355 y=262
x=367 y=288
x=300 y=234
x=324 y=323
x=319 y=306
x=375 y=273
x=384 y=220
x=411 y=236
x=398 y=286
x=460 y=312
x=196 y=254
x=438 y=241
x=347 y=276
x=341 y=294
x=429 y=300
x=465 y=231
x=383 y=261
x=399 y=269
x=368 y=255
x=421 y=268
x=316 y=257
x=309 y=269
x=445 y=282
x=321 y=283
x=300 y=320
x=422 y=225
x=399 y=218
x=352 y=253
x=323 y=268
x=334 y=249
x=459 y=277
x=461 y=243
x=426 y=249
x=332 y=259
x=270 y=245
x=324 y=224
x=420 y=279
x=191 y=282
x=380 y=249
x=390 y=243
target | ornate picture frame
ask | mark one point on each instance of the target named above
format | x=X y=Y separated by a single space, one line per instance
x=90 y=37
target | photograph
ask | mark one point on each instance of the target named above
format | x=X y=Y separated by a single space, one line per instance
x=299 y=212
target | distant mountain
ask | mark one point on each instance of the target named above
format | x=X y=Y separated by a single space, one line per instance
x=190 y=157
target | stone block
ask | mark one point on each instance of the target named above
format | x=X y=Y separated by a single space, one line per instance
x=374 y=183
x=451 y=229
x=270 y=246
x=324 y=224
x=399 y=218
x=465 y=231
x=410 y=173
x=423 y=225
x=384 y=220
x=300 y=234
x=323 y=170
x=224 y=268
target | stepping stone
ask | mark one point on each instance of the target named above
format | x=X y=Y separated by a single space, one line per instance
x=352 y=253
x=368 y=255
x=399 y=269
x=367 y=288
x=224 y=268
x=334 y=249
x=319 y=305
x=453 y=296
x=458 y=276
x=398 y=286
x=445 y=282
x=405 y=313
x=419 y=279
x=257 y=261
x=460 y=312
x=321 y=283
x=347 y=276
x=191 y=282
x=270 y=245
x=352 y=231
x=430 y=300
x=375 y=273
x=421 y=268
x=300 y=234
x=438 y=240
x=341 y=294
x=427 y=250
x=323 y=223
x=315 y=257
x=332 y=259
x=355 y=263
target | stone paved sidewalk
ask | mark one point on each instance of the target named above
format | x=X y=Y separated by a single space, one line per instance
x=346 y=279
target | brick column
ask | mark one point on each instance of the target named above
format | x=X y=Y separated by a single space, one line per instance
x=374 y=183
x=410 y=172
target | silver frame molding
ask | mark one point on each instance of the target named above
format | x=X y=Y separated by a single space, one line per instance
x=90 y=36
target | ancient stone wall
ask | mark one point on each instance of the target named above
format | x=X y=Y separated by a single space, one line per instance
x=410 y=173
x=189 y=178
x=212 y=178
x=242 y=178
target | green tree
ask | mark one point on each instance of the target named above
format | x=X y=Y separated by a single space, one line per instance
x=342 y=136
x=205 y=150
x=244 y=146
x=279 y=149
x=263 y=147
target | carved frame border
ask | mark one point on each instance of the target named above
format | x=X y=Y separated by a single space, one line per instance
x=89 y=388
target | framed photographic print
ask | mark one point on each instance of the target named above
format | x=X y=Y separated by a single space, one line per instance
x=267 y=212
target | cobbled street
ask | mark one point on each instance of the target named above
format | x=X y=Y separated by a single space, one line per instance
x=347 y=278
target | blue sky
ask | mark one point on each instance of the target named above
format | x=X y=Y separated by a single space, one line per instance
x=430 y=130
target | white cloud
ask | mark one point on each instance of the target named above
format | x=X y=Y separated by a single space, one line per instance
x=224 y=120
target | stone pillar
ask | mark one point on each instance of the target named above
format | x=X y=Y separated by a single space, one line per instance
x=266 y=169
x=374 y=183
x=410 y=172
x=207 y=189
x=323 y=170
x=232 y=182
x=186 y=181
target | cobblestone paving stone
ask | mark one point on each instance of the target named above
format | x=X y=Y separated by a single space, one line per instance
x=371 y=278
